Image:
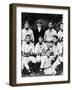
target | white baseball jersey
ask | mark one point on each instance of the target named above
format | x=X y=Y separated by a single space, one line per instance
x=47 y=62
x=57 y=49
x=60 y=58
x=25 y=32
x=60 y=34
x=48 y=36
x=40 y=48
x=27 y=48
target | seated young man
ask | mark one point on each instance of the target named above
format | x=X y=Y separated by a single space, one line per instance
x=50 y=54
x=40 y=51
x=55 y=59
x=58 y=53
x=27 y=53
x=50 y=57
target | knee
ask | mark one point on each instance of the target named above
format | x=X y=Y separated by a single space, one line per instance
x=34 y=60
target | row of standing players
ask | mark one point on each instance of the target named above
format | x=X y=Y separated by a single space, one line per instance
x=43 y=48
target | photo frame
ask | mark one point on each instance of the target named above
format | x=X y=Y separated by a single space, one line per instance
x=30 y=16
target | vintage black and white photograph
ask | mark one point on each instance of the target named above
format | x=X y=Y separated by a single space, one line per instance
x=42 y=44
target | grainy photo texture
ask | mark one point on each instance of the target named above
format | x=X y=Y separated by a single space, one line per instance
x=41 y=44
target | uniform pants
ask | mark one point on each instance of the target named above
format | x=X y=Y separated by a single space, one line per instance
x=26 y=60
x=41 y=59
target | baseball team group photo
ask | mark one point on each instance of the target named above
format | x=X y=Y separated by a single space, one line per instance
x=41 y=44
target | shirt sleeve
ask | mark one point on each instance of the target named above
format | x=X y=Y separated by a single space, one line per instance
x=60 y=48
x=22 y=48
x=55 y=33
x=32 y=35
x=33 y=49
x=45 y=35
x=45 y=47
x=36 y=49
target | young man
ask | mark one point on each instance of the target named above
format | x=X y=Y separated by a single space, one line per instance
x=48 y=60
x=57 y=47
x=58 y=53
x=50 y=57
x=40 y=50
x=27 y=53
x=39 y=30
x=26 y=31
x=48 y=36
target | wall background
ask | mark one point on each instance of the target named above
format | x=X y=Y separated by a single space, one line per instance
x=4 y=45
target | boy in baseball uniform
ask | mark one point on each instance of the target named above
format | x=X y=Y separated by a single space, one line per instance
x=40 y=51
x=50 y=57
x=48 y=36
x=58 y=52
x=26 y=31
x=27 y=53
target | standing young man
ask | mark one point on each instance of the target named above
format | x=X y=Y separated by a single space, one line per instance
x=49 y=33
x=26 y=31
x=39 y=31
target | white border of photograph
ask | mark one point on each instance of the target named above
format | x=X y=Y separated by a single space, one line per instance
x=35 y=79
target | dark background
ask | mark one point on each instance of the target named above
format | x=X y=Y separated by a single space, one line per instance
x=46 y=18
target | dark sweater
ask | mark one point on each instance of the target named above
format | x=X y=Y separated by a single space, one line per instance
x=37 y=34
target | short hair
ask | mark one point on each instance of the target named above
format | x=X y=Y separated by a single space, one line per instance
x=41 y=36
x=39 y=21
x=55 y=36
x=26 y=22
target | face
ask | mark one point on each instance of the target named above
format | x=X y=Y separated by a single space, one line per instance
x=26 y=26
x=55 y=39
x=28 y=38
x=40 y=39
x=39 y=24
x=48 y=53
x=61 y=26
x=50 y=25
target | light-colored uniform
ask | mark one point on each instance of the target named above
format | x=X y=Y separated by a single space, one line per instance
x=40 y=50
x=48 y=61
x=58 y=50
x=49 y=71
x=60 y=34
x=48 y=36
x=27 y=48
x=47 y=66
x=25 y=32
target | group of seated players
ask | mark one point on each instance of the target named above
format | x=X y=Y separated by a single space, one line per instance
x=44 y=57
